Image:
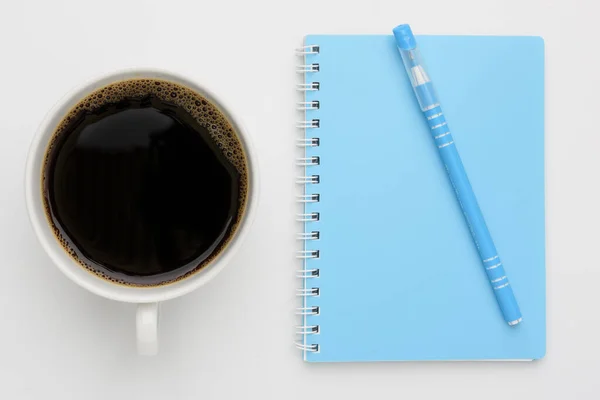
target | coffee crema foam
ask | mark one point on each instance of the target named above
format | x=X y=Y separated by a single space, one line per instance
x=202 y=111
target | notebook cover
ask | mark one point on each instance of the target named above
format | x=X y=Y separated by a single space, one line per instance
x=400 y=278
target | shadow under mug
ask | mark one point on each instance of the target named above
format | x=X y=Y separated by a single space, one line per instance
x=147 y=298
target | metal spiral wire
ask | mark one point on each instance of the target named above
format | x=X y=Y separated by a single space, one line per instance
x=308 y=178
x=308 y=105
x=312 y=348
x=308 y=68
x=308 y=292
x=308 y=49
x=308 y=161
x=304 y=180
x=309 y=198
x=314 y=235
x=307 y=310
x=313 y=123
x=308 y=142
x=308 y=273
x=308 y=87
x=307 y=329
x=310 y=217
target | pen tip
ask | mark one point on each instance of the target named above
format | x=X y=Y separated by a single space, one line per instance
x=404 y=37
x=515 y=322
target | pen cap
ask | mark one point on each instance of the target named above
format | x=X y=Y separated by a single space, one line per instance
x=405 y=40
x=413 y=63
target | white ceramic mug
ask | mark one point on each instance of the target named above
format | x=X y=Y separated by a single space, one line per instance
x=147 y=298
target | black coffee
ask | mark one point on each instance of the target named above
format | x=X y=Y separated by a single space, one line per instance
x=144 y=182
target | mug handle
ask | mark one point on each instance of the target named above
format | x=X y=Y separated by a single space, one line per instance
x=146 y=322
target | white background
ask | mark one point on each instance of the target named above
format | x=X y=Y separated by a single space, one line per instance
x=233 y=338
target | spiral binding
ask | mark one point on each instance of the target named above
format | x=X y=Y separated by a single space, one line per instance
x=308 y=49
x=313 y=348
x=308 y=142
x=308 y=275
x=303 y=180
x=310 y=217
x=308 y=161
x=307 y=311
x=314 y=235
x=307 y=329
x=308 y=68
x=308 y=87
x=306 y=254
x=309 y=198
x=310 y=292
x=313 y=123
x=308 y=105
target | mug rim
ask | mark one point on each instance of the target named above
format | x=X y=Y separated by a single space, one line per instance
x=42 y=228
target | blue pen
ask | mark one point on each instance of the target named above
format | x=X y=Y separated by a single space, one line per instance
x=430 y=106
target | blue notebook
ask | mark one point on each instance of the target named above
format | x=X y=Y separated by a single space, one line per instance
x=390 y=270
